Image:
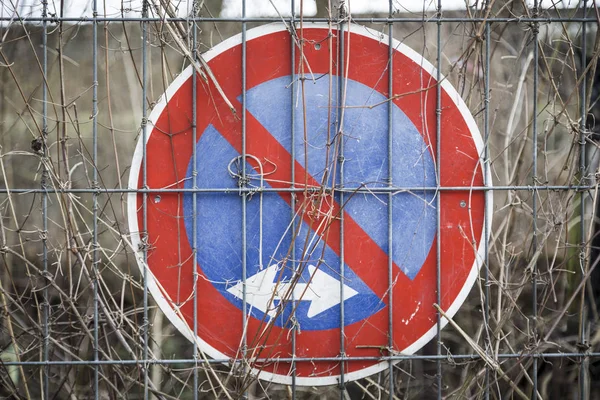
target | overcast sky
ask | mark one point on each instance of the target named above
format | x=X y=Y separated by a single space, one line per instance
x=233 y=8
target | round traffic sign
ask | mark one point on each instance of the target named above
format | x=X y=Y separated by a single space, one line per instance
x=315 y=214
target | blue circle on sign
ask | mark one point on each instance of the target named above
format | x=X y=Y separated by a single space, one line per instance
x=270 y=261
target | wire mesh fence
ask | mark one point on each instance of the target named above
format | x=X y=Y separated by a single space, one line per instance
x=81 y=319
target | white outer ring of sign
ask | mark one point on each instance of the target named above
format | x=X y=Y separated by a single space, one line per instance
x=159 y=294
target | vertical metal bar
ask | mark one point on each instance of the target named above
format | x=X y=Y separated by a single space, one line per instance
x=341 y=105
x=244 y=196
x=95 y=184
x=486 y=227
x=293 y=86
x=438 y=135
x=582 y=170
x=390 y=199
x=145 y=194
x=534 y=204
x=46 y=313
x=194 y=200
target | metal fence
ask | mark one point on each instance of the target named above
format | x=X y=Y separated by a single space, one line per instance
x=78 y=319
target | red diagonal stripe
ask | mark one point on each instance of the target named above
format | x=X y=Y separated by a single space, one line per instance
x=261 y=144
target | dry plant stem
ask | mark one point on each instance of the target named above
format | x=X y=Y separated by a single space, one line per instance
x=51 y=281
x=11 y=332
x=130 y=51
x=109 y=105
x=526 y=278
x=73 y=247
x=520 y=364
x=130 y=246
x=587 y=259
x=74 y=307
x=23 y=97
x=203 y=69
x=59 y=344
x=204 y=357
x=379 y=388
x=157 y=335
x=564 y=110
x=258 y=342
x=61 y=133
x=511 y=120
x=22 y=246
x=593 y=64
x=588 y=239
x=571 y=55
x=582 y=284
x=486 y=358
x=502 y=266
x=40 y=68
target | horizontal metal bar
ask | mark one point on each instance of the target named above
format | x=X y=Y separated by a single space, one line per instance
x=297 y=189
x=422 y=19
x=398 y=357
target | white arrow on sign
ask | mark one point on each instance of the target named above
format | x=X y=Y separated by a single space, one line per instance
x=323 y=291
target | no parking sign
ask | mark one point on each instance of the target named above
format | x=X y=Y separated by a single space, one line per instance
x=310 y=249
